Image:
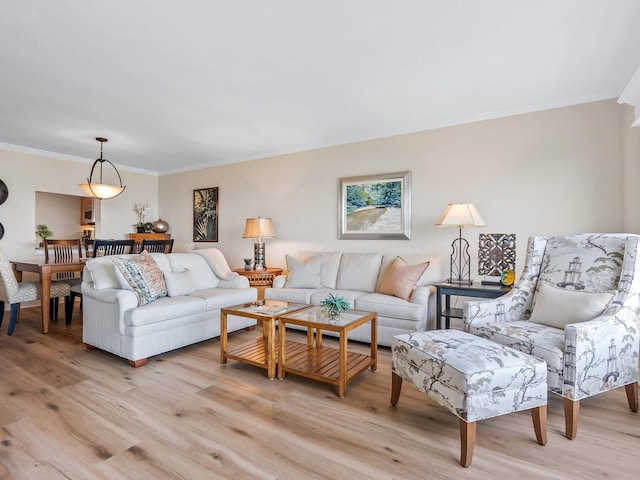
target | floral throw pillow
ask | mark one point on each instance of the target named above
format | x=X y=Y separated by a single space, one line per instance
x=142 y=275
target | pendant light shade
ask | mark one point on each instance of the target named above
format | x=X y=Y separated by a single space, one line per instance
x=98 y=189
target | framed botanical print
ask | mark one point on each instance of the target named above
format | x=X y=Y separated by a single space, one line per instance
x=205 y=215
x=375 y=207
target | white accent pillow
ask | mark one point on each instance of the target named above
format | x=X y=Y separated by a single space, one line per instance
x=179 y=283
x=303 y=275
x=558 y=307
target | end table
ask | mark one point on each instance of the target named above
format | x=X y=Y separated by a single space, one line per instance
x=260 y=279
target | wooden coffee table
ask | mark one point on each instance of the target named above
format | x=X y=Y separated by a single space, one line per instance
x=325 y=364
x=262 y=351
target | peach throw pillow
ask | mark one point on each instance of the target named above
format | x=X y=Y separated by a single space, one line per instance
x=400 y=278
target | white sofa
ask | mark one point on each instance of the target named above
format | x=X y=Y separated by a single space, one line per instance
x=199 y=284
x=358 y=278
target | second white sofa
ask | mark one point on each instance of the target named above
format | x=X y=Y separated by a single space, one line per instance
x=360 y=278
x=198 y=285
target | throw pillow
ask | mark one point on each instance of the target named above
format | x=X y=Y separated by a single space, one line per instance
x=303 y=275
x=180 y=283
x=143 y=276
x=558 y=307
x=400 y=278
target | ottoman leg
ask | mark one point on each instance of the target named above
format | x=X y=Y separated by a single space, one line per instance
x=632 y=395
x=571 y=411
x=467 y=442
x=539 y=415
x=396 y=386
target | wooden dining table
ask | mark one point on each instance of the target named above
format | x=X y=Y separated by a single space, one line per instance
x=46 y=270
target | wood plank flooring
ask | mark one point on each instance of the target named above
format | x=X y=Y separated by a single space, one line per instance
x=71 y=413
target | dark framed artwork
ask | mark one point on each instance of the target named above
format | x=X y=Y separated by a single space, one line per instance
x=205 y=215
x=375 y=207
x=496 y=253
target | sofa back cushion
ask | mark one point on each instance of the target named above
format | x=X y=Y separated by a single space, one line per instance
x=359 y=271
x=329 y=266
x=199 y=271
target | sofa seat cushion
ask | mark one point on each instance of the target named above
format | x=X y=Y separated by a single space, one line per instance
x=295 y=295
x=162 y=309
x=216 y=298
x=390 y=306
x=533 y=338
x=349 y=295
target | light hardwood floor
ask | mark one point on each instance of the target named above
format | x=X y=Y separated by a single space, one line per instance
x=70 y=413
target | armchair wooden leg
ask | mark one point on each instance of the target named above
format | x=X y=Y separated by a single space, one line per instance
x=571 y=412
x=467 y=442
x=632 y=395
x=396 y=386
x=539 y=415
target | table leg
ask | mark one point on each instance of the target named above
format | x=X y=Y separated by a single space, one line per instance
x=282 y=331
x=447 y=306
x=223 y=337
x=438 y=310
x=45 y=280
x=271 y=347
x=342 y=380
x=374 y=343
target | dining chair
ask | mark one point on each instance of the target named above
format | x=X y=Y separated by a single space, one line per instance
x=60 y=251
x=112 y=247
x=161 y=246
x=14 y=293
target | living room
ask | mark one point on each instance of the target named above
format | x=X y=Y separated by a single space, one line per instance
x=565 y=165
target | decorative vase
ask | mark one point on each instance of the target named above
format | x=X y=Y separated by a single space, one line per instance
x=148 y=227
x=160 y=226
x=247 y=267
x=140 y=229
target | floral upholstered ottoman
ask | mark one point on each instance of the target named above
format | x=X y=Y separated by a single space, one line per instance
x=473 y=377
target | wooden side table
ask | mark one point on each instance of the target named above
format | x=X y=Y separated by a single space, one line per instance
x=453 y=289
x=260 y=279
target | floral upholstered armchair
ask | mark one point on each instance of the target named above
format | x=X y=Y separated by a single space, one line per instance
x=576 y=306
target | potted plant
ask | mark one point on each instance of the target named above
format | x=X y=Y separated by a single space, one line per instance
x=334 y=305
x=247 y=263
x=43 y=232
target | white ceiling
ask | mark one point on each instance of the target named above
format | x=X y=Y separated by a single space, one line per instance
x=177 y=85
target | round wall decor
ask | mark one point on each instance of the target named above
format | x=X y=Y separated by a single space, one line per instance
x=1 y=231
x=4 y=192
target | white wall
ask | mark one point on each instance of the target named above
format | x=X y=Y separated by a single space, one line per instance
x=551 y=172
x=61 y=213
x=25 y=174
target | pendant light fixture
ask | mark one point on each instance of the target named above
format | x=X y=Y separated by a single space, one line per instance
x=99 y=190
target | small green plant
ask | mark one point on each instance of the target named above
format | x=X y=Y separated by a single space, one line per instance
x=43 y=232
x=247 y=261
x=334 y=305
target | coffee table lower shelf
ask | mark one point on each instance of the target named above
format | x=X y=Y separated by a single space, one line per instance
x=322 y=363
x=252 y=352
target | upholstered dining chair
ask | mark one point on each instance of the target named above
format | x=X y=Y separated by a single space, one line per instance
x=161 y=246
x=14 y=292
x=112 y=247
x=575 y=306
x=61 y=250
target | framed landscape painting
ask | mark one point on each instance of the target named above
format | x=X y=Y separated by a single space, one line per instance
x=205 y=215
x=376 y=207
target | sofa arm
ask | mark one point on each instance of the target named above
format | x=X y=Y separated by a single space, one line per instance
x=279 y=281
x=237 y=282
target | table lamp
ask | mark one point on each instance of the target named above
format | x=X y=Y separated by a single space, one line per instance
x=460 y=215
x=259 y=229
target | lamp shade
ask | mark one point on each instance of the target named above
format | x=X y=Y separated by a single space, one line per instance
x=460 y=215
x=259 y=228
